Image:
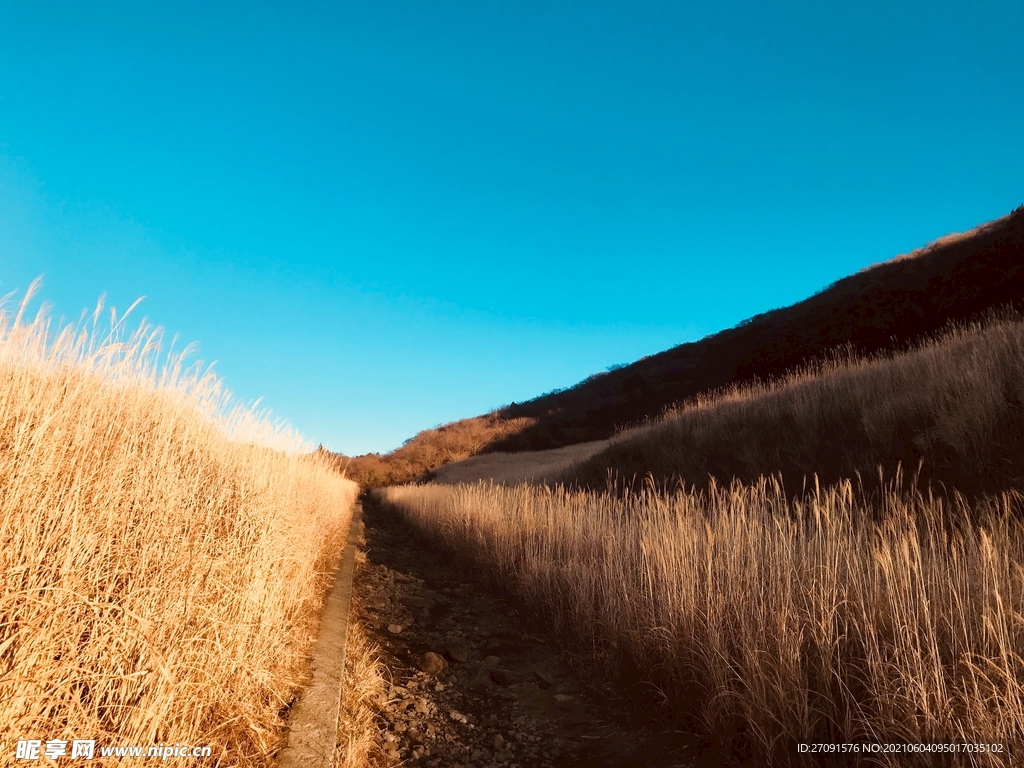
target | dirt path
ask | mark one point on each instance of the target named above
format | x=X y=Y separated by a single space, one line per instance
x=475 y=683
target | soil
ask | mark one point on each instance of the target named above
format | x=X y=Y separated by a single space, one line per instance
x=476 y=682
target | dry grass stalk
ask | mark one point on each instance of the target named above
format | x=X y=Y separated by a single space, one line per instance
x=164 y=552
x=828 y=618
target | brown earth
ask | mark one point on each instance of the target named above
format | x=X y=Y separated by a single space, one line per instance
x=476 y=682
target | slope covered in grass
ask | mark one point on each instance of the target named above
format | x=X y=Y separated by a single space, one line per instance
x=820 y=608
x=950 y=411
x=429 y=449
x=164 y=552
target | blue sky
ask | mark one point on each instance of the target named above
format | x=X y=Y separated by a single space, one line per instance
x=382 y=216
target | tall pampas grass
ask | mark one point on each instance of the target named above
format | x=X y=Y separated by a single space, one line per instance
x=835 y=617
x=164 y=550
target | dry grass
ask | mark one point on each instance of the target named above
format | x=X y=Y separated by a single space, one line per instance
x=364 y=690
x=828 y=618
x=954 y=407
x=164 y=552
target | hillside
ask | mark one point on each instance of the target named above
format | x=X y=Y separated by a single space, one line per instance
x=887 y=306
x=949 y=412
x=520 y=467
x=430 y=449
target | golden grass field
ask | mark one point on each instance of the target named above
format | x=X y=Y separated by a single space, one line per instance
x=866 y=611
x=164 y=551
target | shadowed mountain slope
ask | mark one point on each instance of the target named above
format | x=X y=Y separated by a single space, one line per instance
x=957 y=278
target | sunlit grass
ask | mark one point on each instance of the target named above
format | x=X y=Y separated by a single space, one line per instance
x=865 y=610
x=164 y=551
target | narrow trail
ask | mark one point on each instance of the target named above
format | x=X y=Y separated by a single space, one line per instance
x=474 y=681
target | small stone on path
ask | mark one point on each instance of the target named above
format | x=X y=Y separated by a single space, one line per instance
x=458 y=650
x=432 y=663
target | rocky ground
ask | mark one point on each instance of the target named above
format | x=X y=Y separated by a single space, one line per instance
x=474 y=681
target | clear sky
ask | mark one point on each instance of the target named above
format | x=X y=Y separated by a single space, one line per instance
x=381 y=216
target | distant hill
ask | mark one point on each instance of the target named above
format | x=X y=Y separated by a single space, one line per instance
x=430 y=449
x=955 y=279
